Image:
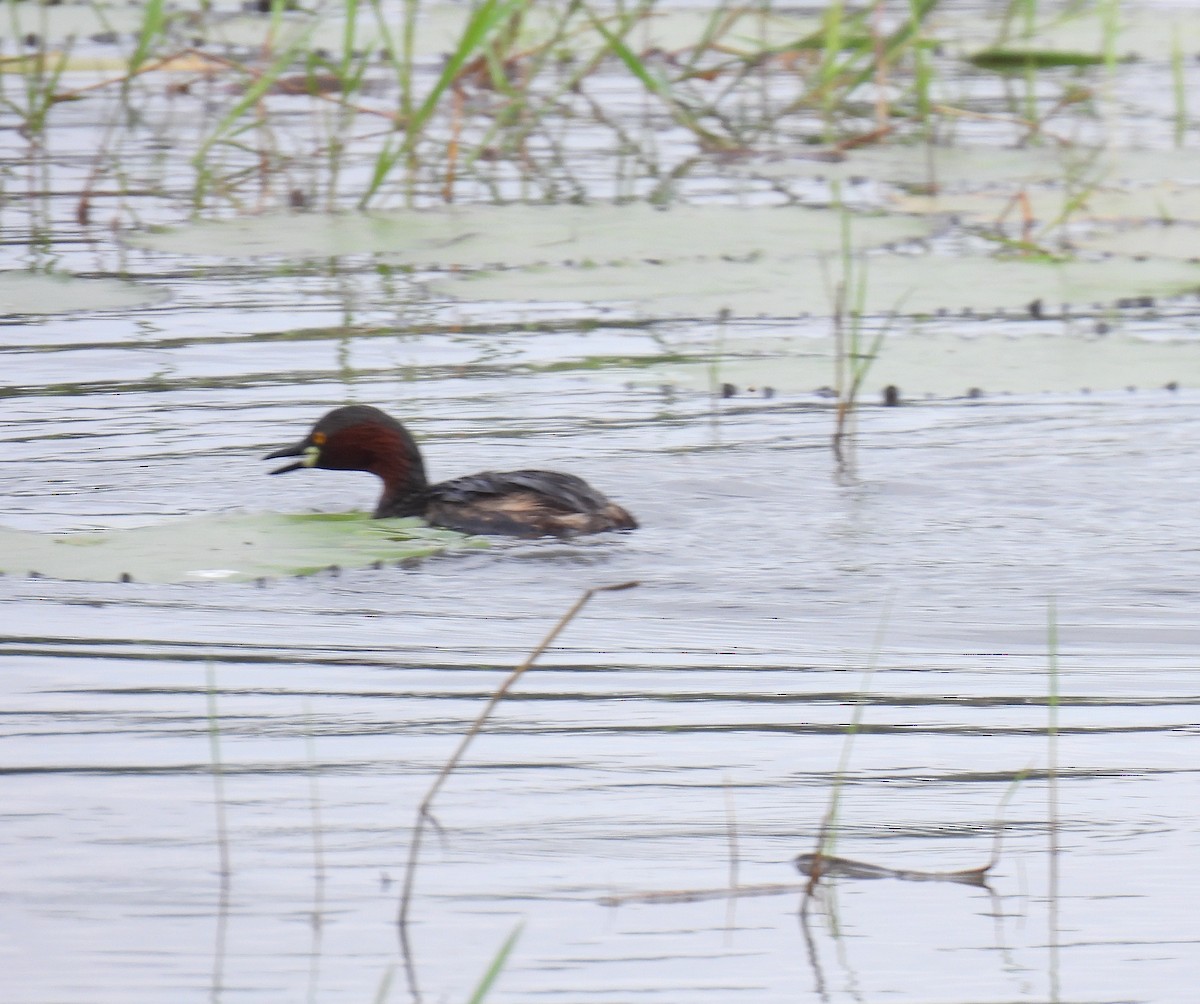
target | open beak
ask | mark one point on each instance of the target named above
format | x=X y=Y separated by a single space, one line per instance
x=307 y=453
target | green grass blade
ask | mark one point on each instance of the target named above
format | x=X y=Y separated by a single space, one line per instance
x=896 y=41
x=654 y=84
x=410 y=43
x=153 y=20
x=253 y=94
x=489 y=16
x=1179 y=89
x=385 y=160
x=385 y=985
x=496 y=967
x=348 y=35
x=484 y=22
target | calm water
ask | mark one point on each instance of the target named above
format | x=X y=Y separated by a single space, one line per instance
x=716 y=691
x=705 y=710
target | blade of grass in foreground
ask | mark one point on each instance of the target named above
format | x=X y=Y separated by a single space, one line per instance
x=497 y=966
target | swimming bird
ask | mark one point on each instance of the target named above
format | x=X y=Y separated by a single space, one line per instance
x=515 y=503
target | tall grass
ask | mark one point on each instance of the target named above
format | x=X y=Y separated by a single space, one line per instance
x=855 y=351
x=1179 y=90
x=234 y=123
x=38 y=71
x=853 y=52
x=483 y=23
x=522 y=82
x=922 y=75
x=654 y=81
x=827 y=833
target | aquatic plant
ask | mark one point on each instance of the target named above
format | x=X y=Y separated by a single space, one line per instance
x=38 y=70
x=854 y=352
x=360 y=112
x=484 y=23
x=515 y=74
x=495 y=967
x=827 y=831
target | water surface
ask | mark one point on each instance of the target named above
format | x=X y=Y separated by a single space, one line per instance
x=675 y=733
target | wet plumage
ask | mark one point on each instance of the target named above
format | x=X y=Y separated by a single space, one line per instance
x=514 y=503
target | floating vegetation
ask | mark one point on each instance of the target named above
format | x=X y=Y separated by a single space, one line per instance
x=920 y=285
x=225 y=548
x=643 y=162
x=1020 y=60
x=412 y=102
x=28 y=292
x=608 y=231
x=515 y=235
x=831 y=866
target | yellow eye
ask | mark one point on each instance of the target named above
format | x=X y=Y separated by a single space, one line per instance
x=318 y=438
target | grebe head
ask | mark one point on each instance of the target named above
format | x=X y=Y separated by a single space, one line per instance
x=358 y=438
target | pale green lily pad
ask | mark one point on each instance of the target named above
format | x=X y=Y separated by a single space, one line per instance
x=777 y=287
x=224 y=548
x=52 y=293
x=58 y=61
x=918 y=165
x=525 y=234
x=949 y=364
x=978 y=167
x=1163 y=201
x=1160 y=240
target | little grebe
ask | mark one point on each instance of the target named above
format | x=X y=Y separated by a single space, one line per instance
x=518 y=503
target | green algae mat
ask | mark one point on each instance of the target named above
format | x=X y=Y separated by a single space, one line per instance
x=225 y=548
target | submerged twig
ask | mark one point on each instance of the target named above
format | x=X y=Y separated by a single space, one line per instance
x=696 y=895
x=819 y=865
x=822 y=865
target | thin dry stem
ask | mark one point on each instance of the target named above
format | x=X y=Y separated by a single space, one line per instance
x=424 y=814
x=697 y=895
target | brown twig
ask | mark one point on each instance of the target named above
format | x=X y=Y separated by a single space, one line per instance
x=424 y=814
x=157 y=64
x=456 y=123
x=821 y=864
x=696 y=895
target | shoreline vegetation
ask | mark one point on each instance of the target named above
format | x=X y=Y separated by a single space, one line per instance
x=372 y=104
